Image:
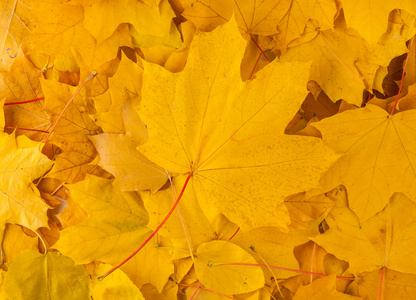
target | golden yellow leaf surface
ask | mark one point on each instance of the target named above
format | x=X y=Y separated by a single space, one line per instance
x=49 y=276
x=218 y=177
x=378 y=152
x=229 y=134
x=229 y=279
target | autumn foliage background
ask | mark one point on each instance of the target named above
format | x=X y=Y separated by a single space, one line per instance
x=283 y=130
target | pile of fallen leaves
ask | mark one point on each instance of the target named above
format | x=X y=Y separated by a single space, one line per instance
x=246 y=149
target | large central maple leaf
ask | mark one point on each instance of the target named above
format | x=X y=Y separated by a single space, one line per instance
x=229 y=133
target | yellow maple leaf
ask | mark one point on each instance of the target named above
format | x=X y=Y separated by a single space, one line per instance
x=383 y=241
x=378 y=159
x=229 y=134
x=343 y=75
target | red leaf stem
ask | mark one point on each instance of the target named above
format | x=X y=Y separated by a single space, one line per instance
x=280 y=268
x=153 y=233
x=23 y=102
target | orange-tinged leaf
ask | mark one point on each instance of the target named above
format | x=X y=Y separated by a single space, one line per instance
x=116 y=286
x=70 y=134
x=50 y=276
x=228 y=279
x=385 y=240
x=19 y=84
x=115 y=222
x=20 y=201
x=379 y=156
x=229 y=134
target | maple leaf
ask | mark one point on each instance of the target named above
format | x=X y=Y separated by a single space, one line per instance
x=21 y=163
x=214 y=139
x=121 y=211
x=378 y=159
x=258 y=17
x=70 y=135
x=331 y=73
x=228 y=134
x=382 y=241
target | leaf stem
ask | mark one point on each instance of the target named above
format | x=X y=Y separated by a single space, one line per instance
x=312 y=261
x=182 y=222
x=196 y=291
x=255 y=67
x=26 y=129
x=381 y=283
x=23 y=102
x=238 y=229
x=43 y=242
x=401 y=82
x=153 y=233
x=278 y=268
x=91 y=76
x=261 y=50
